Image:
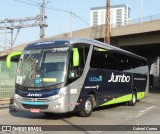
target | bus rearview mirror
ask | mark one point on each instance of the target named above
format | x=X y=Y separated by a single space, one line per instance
x=75 y=57
x=10 y=56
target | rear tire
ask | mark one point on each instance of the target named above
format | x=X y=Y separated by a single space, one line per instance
x=134 y=99
x=87 y=111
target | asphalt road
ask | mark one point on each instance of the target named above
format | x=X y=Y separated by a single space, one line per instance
x=146 y=112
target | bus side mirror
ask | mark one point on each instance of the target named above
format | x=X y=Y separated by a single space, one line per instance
x=75 y=57
x=11 y=55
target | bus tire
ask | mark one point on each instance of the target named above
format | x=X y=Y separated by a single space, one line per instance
x=134 y=99
x=93 y=100
x=87 y=111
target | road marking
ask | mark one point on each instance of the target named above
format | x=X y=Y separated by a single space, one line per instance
x=140 y=113
x=98 y=132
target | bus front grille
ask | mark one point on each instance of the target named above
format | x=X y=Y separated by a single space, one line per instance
x=37 y=99
x=26 y=106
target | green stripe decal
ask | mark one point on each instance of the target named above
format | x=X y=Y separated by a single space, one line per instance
x=124 y=98
x=118 y=100
x=140 y=95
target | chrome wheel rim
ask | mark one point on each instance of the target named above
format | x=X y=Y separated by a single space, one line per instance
x=134 y=98
x=88 y=106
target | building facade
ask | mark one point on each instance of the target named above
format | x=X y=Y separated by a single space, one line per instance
x=119 y=15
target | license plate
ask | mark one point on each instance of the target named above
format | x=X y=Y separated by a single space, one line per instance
x=33 y=110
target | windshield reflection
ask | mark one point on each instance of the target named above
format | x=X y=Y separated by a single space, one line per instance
x=38 y=68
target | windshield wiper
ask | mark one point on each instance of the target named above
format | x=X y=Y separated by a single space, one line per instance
x=33 y=64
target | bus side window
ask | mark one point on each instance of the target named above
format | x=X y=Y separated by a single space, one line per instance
x=110 y=60
x=103 y=59
x=122 y=62
x=72 y=69
x=98 y=58
x=76 y=71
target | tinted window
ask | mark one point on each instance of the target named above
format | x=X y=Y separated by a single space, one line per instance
x=110 y=60
x=98 y=58
x=140 y=66
x=125 y=62
x=122 y=62
x=104 y=59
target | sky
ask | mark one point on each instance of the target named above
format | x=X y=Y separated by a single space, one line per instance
x=59 y=22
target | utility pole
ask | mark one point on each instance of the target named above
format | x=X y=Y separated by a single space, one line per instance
x=71 y=14
x=26 y=22
x=12 y=24
x=14 y=39
x=5 y=35
x=107 y=33
x=42 y=20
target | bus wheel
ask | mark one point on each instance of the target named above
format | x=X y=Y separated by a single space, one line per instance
x=134 y=99
x=88 y=108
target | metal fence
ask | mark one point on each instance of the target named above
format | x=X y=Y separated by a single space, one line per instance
x=7 y=80
x=137 y=21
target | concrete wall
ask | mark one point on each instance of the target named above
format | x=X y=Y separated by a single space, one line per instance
x=155 y=72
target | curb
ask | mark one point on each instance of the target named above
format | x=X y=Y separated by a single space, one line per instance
x=4 y=103
x=4 y=106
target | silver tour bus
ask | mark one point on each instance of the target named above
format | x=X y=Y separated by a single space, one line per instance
x=74 y=74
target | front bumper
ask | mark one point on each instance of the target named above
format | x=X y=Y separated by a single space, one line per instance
x=60 y=105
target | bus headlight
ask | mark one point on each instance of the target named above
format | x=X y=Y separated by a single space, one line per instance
x=16 y=96
x=54 y=97
x=61 y=93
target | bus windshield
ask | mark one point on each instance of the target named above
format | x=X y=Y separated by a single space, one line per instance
x=41 y=68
